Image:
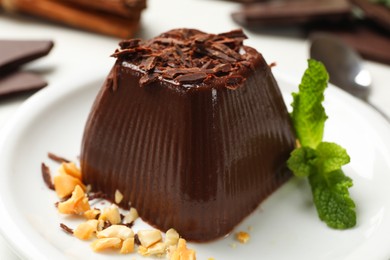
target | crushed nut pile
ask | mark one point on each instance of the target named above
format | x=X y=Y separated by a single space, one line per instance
x=107 y=227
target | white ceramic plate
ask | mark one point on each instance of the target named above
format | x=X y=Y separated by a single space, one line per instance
x=284 y=227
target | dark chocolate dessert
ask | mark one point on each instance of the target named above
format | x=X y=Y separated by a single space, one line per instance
x=192 y=129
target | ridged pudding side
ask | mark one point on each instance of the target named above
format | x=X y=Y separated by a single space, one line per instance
x=199 y=160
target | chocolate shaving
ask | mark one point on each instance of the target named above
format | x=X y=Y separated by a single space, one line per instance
x=96 y=195
x=66 y=228
x=122 y=53
x=128 y=44
x=272 y=64
x=136 y=240
x=192 y=78
x=167 y=41
x=148 y=79
x=220 y=55
x=226 y=50
x=47 y=176
x=129 y=225
x=62 y=200
x=224 y=68
x=238 y=33
x=173 y=73
x=233 y=82
x=107 y=224
x=128 y=53
x=188 y=56
x=203 y=38
x=149 y=63
x=206 y=65
x=183 y=59
x=57 y=158
x=98 y=215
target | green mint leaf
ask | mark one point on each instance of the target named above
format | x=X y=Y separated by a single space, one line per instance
x=308 y=115
x=330 y=157
x=301 y=161
x=320 y=161
x=331 y=197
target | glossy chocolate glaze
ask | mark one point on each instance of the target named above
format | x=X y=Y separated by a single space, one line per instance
x=197 y=155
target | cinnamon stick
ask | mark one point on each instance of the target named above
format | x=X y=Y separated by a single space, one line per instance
x=68 y=14
x=129 y=8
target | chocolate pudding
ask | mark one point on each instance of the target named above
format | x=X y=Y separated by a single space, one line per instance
x=192 y=129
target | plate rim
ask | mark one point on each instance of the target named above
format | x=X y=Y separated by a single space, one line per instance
x=51 y=94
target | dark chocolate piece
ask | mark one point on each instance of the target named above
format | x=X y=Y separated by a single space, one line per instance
x=20 y=82
x=57 y=158
x=46 y=175
x=380 y=14
x=292 y=13
x=66 y=229
x=13 y=54
x=195 y=135
x=372 y=44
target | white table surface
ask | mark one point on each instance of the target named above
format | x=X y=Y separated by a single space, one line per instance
x=76 y=51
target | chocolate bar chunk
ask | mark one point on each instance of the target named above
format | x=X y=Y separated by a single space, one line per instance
x=20 y=82
x=380 y=14
x=292 y=12
x=371 y=43
x=14 y=53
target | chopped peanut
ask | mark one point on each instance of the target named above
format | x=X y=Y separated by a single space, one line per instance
x=149 y=237
x=242 y=237
x=76 y=204
x=111 y=231
x=88 y=188
x=170 y=250
x=92 y=213
x=111 y=214
x=119 y=231
x=100 y=225
x=182 y=252
x=127 y=246
x=65 y=184
x=171 y=237
x=156 y=249
x=131 y=216
x=71 y=169
x=118 y=197
x=85 y=230
x=104 y=243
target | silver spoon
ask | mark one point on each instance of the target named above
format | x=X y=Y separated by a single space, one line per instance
x=344 y=65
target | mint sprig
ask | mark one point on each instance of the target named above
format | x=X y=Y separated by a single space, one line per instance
x=320 y=161
x=308 y=114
